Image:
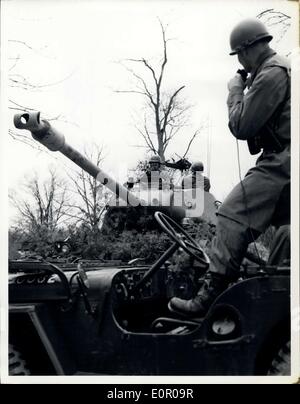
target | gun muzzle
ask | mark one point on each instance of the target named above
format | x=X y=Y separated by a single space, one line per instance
x=41 y=130
x=49 y=137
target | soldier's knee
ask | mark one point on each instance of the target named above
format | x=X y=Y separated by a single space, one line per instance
x=283 y=232
x=228 y=223
x=223 y=222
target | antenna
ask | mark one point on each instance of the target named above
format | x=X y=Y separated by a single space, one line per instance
x=208 y=147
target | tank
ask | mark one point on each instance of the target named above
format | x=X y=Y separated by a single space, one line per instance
x=134 y=206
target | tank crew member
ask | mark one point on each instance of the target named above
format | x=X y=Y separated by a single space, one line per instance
x=130 y=183
x=196 y=178
x=154 y=176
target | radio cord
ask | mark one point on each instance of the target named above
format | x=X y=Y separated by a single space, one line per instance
x=246 y=201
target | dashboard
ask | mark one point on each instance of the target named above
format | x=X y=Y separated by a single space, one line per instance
x=125 y=283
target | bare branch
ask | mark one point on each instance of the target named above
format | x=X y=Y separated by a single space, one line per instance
x=22 y=107
x=89 y=201
x=25 y=139
x=190 y=142
x=46 y=205
x=147 y=140
x=165 y=59
x=16 y=59
x=146 y=92
x=130 y=92
x=273 y=18
x=167 y=112
x=18 y=80
x=148 y=66
x=22 y=43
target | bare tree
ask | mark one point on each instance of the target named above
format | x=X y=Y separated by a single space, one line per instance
x=44 y=206
x=276 y=19
x=17 y=80
x=165 y=112
x=89 y=196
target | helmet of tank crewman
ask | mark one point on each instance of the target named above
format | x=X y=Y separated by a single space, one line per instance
x=155 y=159
x=246 y=33
x=130 y=182
x=154 y=163
x=197 y=166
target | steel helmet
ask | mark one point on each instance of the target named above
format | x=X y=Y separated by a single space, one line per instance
x=154 y=159
x=246 y=33
x=197 y=166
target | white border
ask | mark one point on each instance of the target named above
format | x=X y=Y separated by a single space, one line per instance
x=295 y=203
x=111 y=380
x=3 y=207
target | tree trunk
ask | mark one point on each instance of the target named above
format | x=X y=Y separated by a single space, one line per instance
x=160 y=148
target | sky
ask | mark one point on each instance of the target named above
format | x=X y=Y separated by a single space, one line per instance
x=73 y=49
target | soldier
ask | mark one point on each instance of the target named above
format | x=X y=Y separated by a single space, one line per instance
x=155 y=163
x=129 y=183
x=262 y=117
x=154 y=176
x=196 y=178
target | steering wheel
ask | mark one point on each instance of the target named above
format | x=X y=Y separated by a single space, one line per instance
x=181 y=237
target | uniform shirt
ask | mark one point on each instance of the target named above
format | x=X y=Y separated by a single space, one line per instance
x=155 y=179
x=263 y=196
x=266 y=106
x=194 y=181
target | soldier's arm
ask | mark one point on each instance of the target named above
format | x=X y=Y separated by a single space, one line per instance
x=206 y=184
x=250 y=112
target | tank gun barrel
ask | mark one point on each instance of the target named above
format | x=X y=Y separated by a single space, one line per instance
x=49 y=137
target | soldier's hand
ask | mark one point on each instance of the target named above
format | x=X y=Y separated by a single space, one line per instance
x=236 y=83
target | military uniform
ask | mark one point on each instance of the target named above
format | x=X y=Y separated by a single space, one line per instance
x=263 y=196
x=155 y=179
x=196 y=181
x=261 y=116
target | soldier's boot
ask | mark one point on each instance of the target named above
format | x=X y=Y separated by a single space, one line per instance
x=214 y=284
x=228 y=249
